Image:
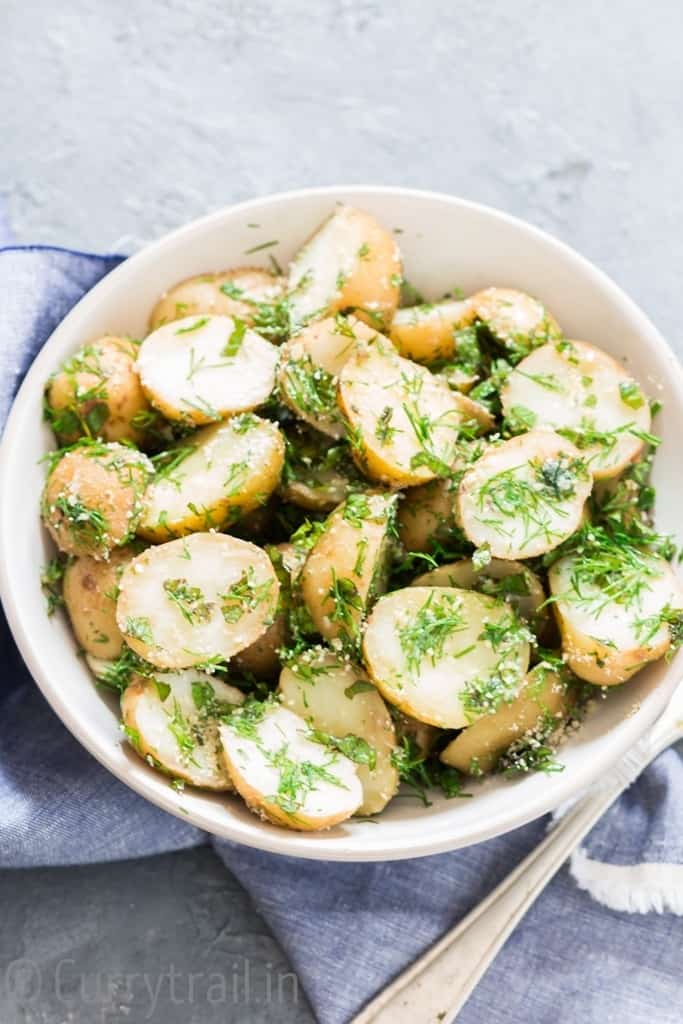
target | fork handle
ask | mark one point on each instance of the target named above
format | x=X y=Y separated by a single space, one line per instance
x=434 y=989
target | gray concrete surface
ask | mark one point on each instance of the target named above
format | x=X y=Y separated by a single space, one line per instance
x=170 y=939
x=121 y=120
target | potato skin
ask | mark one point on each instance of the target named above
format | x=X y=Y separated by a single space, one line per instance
x=426 y=515
x=97 y=393
x=350 y=554
x=89 y=590
x=426 y=333
x=202 y=294
x=262 y=658
x=516 y=320
x=478 y=748
x=528 y=604
x=93 y=498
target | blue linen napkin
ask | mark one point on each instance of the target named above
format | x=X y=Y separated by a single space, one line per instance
x=349 y=928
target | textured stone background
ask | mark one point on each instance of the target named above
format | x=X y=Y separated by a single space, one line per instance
x=121 y=120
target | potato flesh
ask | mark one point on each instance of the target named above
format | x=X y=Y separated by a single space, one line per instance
x=172 y=719
x=188 y=374
x=92 y=500
x=233 y=469
x=349 y=556
x=325 y=698
x=524 y=590
x=309 y=360
x=205 y=596
x=203 y=295
x=426 y=333
x=99 y=383
x=256 y=770
x=601 y=638
x=505 y=502
x=478 y=748
x=574 y=385
x=89 y=590
x=405 y=418
x=435 y=690
x=350 y=263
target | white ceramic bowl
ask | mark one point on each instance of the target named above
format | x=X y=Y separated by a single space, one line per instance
x=445 y=242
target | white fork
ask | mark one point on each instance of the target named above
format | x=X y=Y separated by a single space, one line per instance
x=434 y=989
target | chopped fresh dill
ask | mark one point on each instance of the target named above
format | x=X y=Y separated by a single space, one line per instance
x=425 y=637
x=236 y=338
x=51 y=578
x=189 y=601
x=311 y=388
x=244 y=595
x=139 y=628
x=87 y=524
x=422 y=774
x=196 y=326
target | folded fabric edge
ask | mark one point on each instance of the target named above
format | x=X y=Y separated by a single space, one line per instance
x=631 y=888
x=66 y=249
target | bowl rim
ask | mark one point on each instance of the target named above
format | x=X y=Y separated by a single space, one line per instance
x=289 y=843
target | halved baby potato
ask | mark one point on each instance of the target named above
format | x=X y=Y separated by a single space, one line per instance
x=310 y=364
x=443 y=655
x=202 y=369
x=516 y=320
x=545 y=701
x=191 y=600
x=509 y=581
x=317 y=475
x=405 y=423
x=97 y=393
x=283 y=774
x=172 y=721
x=351 y=264
x=426 y=333
x=92 y=501
x=525 y=496
x=213 y=477
x=233 y=293
x=579 y=390
x=347 y=566
x=335 y=696
x=616 y=606
x=90 y=590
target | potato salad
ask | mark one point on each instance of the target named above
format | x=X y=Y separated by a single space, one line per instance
x=325 y=540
